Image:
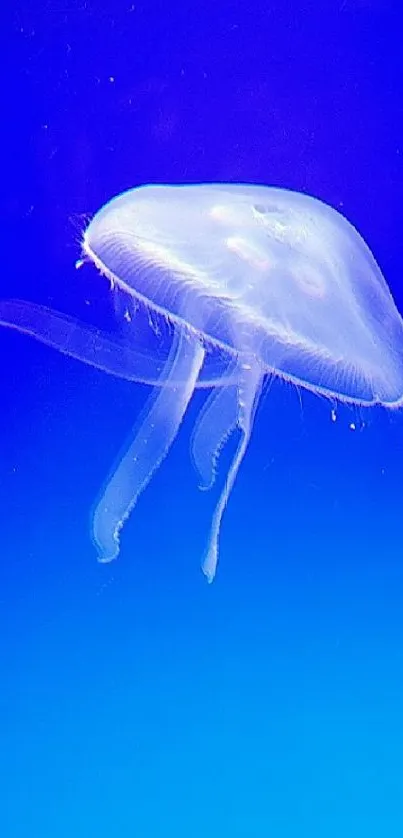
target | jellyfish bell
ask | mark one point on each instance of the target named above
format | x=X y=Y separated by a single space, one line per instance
x=225 y=284
x=275 y=270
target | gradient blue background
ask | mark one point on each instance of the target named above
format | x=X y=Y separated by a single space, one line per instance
x=136 y=700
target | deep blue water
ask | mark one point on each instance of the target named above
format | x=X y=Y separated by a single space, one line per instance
x=136 y=700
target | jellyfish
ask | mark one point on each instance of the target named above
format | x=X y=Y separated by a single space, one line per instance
x=224 y=285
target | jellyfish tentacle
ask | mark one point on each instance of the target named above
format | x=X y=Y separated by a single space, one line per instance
x=248 y=392
x=217 y=421
x=128 y=358
x=153 y=437
x=83 y=342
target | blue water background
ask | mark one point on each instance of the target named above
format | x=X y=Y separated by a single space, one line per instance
x=136 y=700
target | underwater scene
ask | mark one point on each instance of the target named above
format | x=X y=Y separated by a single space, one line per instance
x=201 y=332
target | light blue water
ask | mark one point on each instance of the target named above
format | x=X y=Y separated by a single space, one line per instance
x=136 y=700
